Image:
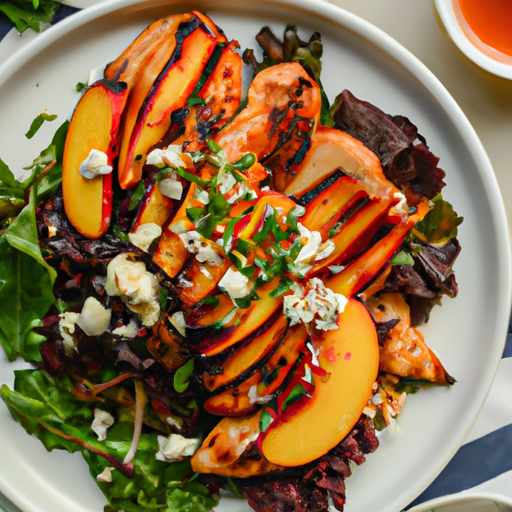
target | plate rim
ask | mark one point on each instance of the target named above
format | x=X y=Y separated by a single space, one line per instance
x=414 y=66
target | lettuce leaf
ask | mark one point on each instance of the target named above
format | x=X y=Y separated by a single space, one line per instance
x=440 y=224
x=26 y=280
x=45 y=406
x=34 y=14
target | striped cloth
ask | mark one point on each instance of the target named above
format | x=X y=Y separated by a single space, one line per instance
x=491 y=434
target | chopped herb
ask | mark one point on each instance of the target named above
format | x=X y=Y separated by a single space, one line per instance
x=38 y=122
x=81 y=86
x=182 y=375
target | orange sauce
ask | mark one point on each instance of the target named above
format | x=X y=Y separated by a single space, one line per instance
x=490 y=21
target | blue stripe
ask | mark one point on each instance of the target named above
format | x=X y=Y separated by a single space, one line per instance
x=5 y=26
x=475 y=462
x=508 y=347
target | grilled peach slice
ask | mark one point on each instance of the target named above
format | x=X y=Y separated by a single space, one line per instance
x=222 y=450
x=278 y=371
x=221 y=94
x=256 y=319
x=168 y=93
x=170 y=254
x=234 y=401
x=94 y=126
x=247 y=356
x=332 y=149
x=208 y=317
x=154 y=208
x=404 y=351
x=355 y=234
x=142 y=75
x=202 y=278
x=311 y=426
x=330 y=205
x=133 y=61
x=367 y=266
x=254 y=128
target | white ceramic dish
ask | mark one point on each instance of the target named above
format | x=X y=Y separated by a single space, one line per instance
x=468 y=332
x=477 y=502
x=484 y=56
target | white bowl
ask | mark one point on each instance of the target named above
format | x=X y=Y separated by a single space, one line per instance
x=484 y=56
x=471 y=502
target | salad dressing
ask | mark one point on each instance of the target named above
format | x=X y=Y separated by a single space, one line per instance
x=488 y=25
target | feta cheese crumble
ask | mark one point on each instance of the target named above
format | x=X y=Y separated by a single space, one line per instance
x=201 y=247
x=67 y=323
x=94 y=318
x=105 y=475
x=174 y=447
x=235 y=284
x=96 y=164
x=170 y=156
x=401 y=208
x=127 y=331
x=138 y=288
x=144 y=235
x=313 y=249
x=319 y=303
x=171 y=188
x=178 y=320
x=101 y=422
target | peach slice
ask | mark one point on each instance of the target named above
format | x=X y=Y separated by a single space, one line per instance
x=221 y=93
x=310 y=427
x=170 y=254
x=331 y=204
x=141 y=75
x=367 y=266
x=257 y=318
x=133 y=61
x=155 y=208
x=355 y=234
x=404 y=351
x=223 y=449
x=94 y=125
x=254 y=128
x=244 y=361
x=332 y=149
x=168 y=93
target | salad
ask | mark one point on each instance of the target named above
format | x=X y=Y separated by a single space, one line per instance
x=220 y=289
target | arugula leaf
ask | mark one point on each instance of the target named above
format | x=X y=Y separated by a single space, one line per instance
x=34 y=14
x=22 y=235
x=39 y=401
x=155 y=485
x=13 y=193
x=46 y=408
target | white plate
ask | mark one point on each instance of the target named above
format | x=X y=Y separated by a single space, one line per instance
x=484 y=56
x=468 y=332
